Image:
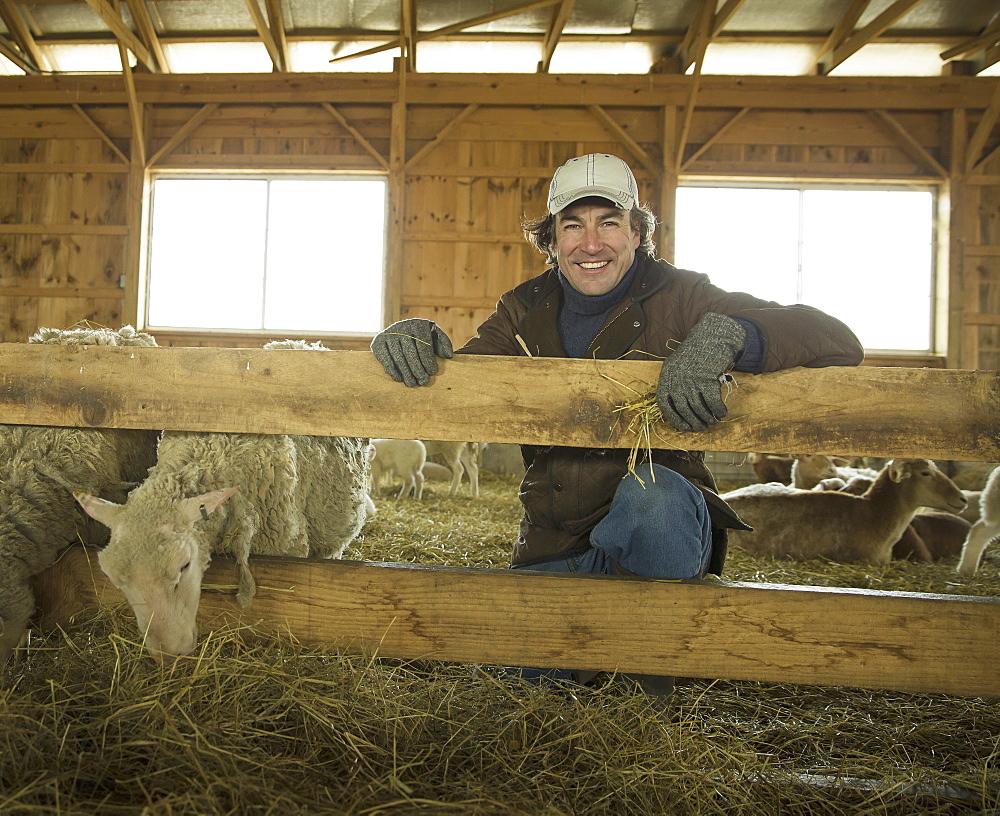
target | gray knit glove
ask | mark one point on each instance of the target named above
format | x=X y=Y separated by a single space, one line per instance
x=408 y=350
x=690 y=389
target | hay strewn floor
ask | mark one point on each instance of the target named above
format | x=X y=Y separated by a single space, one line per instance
x=88 y=725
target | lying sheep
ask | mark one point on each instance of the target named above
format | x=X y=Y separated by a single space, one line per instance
x=240 y=494
x=770 y=468
x=841 y=526
x=985 y=530
x=931 y=536
x=38 y=516
x=459 y=457
x=403 y=457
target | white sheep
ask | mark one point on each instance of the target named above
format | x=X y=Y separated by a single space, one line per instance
x=985 y=530
x=840 y=526
x=38 y=516
x=403 y=457
x=231 y=493
x=810 y=469
x=459 y=457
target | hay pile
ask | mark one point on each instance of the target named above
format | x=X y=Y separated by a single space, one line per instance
x=89 y=725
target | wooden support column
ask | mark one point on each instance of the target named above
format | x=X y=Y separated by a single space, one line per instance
x=667 y=193
x=397 y=200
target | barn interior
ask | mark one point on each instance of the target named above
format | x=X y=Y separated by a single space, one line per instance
x=223 y=174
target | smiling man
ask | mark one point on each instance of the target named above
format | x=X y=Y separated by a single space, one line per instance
x=607 y=296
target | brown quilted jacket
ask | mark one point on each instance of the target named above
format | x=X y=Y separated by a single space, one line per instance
x=565 y=490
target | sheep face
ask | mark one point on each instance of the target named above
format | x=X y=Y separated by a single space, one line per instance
x=930 y=487
x=157 y=559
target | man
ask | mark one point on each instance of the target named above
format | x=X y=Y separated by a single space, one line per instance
x=606 y=296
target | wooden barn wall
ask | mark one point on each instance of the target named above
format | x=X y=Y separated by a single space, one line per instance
x=463 y=172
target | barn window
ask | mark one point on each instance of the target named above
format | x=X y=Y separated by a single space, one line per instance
x=270 y=254
x=865 y=255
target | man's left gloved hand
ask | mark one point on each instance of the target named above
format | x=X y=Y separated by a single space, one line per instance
x=690 y=389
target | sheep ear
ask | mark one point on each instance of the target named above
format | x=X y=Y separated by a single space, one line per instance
x=104 y=511
x=840 y=461
x=898 y=471
x=198 y=507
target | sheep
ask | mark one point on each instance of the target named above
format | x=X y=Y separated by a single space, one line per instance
x=932 y=535
x=405 y=458
x=459 y=457
x=985 y=530
x=39 y=466
x=840 y=526
x=241 y=494
x=770 y=468
x=809 y=469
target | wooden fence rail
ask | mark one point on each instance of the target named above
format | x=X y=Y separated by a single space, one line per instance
x=905 y=641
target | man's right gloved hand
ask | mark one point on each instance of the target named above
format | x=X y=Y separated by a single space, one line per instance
x=408 y=350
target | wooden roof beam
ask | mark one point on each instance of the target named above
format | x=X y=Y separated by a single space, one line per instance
x=134 y=108
x=555 y=29
x=845 y=25
x=264 y=32
x=989 y=36
x=12 y=52
x=698 y=34
x=452 y=29
x=123 y=34
x=19 y=32
x=724 y=15
x=852 y=44
x=144 y=25
x=408 y=32
x=276 y=21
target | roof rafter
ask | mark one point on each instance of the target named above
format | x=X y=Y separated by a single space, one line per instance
x=123 y=34
x=276 y=20
x=408 y=32
x=144 y=24
x=134 y=108
x=852 y=44
x=452 y=29
x=843 y=28
x=19 y=32
x=552 y=34
x=989 y=36
x=724 y=15
x=16 y=56
x=698 y=34
x=264 y=32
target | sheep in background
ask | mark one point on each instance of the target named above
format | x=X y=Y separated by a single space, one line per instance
x=841 y=526
x=931 y=536
x=240 y=494
x=985 y=530
x=405 y=458
x=809 y=469
x=770 y=468
x=459 y=457
x=39 y=466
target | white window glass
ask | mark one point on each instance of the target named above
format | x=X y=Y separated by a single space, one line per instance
x=864 y=256
x=267 y=254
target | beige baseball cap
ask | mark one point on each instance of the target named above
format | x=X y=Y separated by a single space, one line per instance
x=596 y=174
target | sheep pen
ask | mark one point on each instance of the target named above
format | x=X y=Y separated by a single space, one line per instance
x=262 y=725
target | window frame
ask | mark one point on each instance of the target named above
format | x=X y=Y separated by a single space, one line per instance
x=146 y=249
x=938 y=308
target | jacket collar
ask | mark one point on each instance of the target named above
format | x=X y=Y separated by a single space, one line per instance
x=543 y=297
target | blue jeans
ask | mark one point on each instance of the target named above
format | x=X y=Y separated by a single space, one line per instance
x=660 y=530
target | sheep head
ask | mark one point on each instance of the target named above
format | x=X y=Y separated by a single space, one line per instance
x=157 y=556
x=929 y=486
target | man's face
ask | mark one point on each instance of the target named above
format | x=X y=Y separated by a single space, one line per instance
x=595 y=245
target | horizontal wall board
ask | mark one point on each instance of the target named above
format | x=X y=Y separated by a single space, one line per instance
x=937 y=413
x=647 y=90
x=829 y=637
